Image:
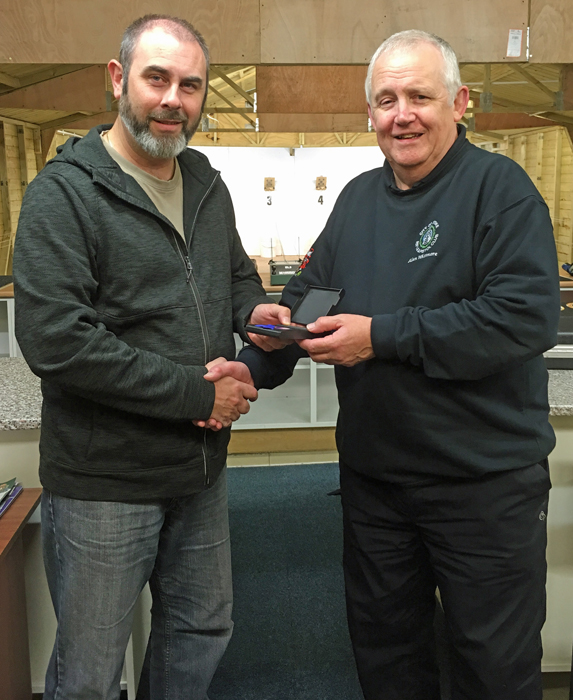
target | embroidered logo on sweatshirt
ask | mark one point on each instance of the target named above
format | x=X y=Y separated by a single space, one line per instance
x=428 y=236
x=426 y=239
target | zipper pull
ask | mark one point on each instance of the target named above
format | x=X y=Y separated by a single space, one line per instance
x=189 y=267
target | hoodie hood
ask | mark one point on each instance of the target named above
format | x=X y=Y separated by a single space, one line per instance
x=90 y=155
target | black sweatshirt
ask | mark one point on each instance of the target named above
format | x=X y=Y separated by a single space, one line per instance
x=459 y=274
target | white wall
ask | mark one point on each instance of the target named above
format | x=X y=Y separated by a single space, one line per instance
x=295 y=217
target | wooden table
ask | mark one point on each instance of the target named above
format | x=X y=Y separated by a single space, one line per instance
x=262 y=265
x=15 y=681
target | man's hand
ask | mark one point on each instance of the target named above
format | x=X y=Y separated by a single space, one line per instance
x=269 y=314
x=224 y=368
x=348 y=345
x=228 y=376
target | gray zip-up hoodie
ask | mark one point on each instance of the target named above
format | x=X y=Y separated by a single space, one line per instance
x=119 y=317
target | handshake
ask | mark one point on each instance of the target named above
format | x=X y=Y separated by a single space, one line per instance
x=234 y=387
x=348 y=343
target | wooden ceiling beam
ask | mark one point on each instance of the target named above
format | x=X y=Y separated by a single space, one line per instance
x=341 y=123
x=508 y=120
x=18 y=122
x=239 y=110
x=561 y=119
x=80 y=121
x=80 y=91
x=227 y=110
x=9 y=80
x=236 y=130
x=238 y=89
x=490 y=135
x=510 y=104
x=567 y=86
x=46 y=138
x=246 y=135
x=537 y=83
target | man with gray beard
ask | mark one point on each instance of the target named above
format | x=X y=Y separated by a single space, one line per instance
x=129 y=275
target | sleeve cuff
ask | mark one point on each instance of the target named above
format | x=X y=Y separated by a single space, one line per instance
x=201 y=396
x=251 y=357
x=383 y=336
x=244 y=314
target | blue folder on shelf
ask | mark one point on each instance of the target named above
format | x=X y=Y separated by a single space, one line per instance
x=10 y=498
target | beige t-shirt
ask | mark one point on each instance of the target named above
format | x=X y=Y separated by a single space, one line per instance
x=167 y=195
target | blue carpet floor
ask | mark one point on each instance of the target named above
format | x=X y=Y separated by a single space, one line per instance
x=290 y=640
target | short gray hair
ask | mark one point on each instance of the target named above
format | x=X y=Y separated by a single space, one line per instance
x=409 y=39
x=179 y=28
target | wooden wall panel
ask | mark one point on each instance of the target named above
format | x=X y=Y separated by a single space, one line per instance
x=89 y=31
x=547 y=156
x=311 y=89
x=13 y=172
x=18 y=166
x=339 y=31
x=551 y=31
x=28 y=164
x=290 y=440
x=5 y=227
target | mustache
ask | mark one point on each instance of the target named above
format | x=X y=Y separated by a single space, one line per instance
x=169 y=115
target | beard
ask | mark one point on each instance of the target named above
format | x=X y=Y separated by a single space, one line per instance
x=165 y=146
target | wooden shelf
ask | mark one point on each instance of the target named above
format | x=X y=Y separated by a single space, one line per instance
x=17 y=515
x=14 y=648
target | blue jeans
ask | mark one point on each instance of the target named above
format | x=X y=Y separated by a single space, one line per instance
x=99 y=555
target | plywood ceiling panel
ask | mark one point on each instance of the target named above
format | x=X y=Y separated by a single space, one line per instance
x=83 y=90
x=339 y=31
x=88 y=31
x=311 y=89
x=551 y=31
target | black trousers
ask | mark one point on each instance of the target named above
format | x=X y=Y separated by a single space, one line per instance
x=482 y=543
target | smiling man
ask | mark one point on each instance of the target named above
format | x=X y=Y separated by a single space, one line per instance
x=447 y=258
x=414 y=110
x=129 y=272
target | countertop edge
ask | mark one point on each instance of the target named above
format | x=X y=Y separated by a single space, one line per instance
x=21 y=396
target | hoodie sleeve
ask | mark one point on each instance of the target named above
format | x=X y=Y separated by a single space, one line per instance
x=55 y=282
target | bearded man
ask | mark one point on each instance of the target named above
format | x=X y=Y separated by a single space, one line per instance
x=128 y=274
